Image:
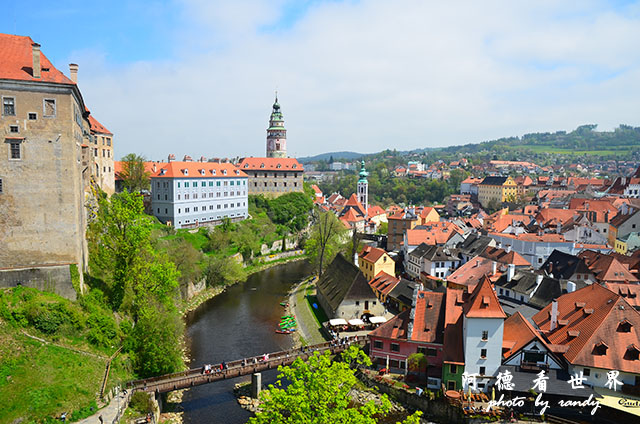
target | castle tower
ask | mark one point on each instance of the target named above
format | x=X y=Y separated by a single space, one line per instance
x=363 y=188
x=276 y=133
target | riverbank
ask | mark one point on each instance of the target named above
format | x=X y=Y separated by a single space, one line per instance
x=211 y=292
x=308 y=330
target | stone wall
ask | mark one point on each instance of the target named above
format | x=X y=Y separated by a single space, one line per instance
x=54 y=279
x=437 y=409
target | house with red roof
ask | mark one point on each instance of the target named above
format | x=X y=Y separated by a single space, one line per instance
x=596 y=331
x=45 y=165
x=100 y=150
x=273 y=176
x=524 y=346
x=190 y=194
x=373 y=260
x=473 y=271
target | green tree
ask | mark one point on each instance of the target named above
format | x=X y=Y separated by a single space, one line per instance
x=318 y=393
x=121 y=253
x=185 y=257
x=324 y=241
x=157 y=340
x=222 y=271
x=134 y=175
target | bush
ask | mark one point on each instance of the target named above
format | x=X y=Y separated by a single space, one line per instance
x=102 y=329
x=141 y=402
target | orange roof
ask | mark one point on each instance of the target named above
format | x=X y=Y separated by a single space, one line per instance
x=16 y=61
x=547 y=238
x=590 y=316
x=472 y=272
x=555 y=216
x=353 y=201
x=97 y=127
x=270 y=164
x=454 y=301
x=438 y=233
x=118 y=166
x=196 y=170
x=483 y=302
x=384 y=283
x=371 y=254
x=317 y=190
x=501 y=255
x=375 y=211
x=609 y=269
x=630 y=292
x=427 y=325
x=517 y=333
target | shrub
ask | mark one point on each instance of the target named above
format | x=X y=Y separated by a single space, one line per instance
x=102 y=329
x=141 y=402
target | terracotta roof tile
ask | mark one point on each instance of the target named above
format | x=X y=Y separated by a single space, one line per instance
x=384 y=283
x=16 y=61
x=270 y=164
x=483 y=302
x=97 y=127
x=196 y=170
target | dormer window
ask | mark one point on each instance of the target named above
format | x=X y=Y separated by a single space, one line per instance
x=185 y=171
x=572 y=334
x=632 y=353
x=262 y=165
x=624 y=326
x=279 y=166
x=294 y=166
x=224 y=172
x=202 y=172
x=237 y=172
x=600 y=348
x=246 y=165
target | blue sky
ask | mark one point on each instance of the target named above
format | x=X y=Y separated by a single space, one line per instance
x=197 y=77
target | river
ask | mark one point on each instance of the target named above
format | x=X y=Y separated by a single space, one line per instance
x=238 y=323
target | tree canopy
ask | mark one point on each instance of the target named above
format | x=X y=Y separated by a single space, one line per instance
x=318 y=393
x=133 y=174
x=325 y=240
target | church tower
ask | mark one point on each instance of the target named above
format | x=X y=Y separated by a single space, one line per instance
x=363 y=188
x=276 y=133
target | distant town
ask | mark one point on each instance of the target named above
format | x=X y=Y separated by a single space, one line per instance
x=469 y=279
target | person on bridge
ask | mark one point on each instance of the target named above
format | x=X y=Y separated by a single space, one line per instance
x=224 y=365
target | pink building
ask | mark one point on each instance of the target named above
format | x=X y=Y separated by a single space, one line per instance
x=419 y=330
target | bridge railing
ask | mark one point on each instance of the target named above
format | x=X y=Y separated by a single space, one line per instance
x=251 y=361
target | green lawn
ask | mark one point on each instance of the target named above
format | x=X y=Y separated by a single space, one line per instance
x=39 y=381
x=318 y=313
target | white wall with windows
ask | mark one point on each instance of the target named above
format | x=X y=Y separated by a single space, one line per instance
x=189 y=202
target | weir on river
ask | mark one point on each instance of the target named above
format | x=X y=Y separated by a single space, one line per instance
x=238 y=323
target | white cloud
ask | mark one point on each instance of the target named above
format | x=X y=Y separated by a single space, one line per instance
x=369 y=75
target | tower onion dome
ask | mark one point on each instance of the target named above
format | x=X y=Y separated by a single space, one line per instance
x=363 y=173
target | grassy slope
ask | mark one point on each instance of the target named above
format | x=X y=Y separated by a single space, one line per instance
x=39 y=381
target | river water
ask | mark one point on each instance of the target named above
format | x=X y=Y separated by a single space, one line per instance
x=236 y=324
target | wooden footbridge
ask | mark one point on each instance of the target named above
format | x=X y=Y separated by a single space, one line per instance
x=247 y=366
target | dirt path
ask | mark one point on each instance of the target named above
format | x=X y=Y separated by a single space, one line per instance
x=308 y=328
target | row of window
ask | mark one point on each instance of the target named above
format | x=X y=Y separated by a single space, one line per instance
x=48 y=108
x=395 y=347
x=194 y=196
x=106 y=153
x=275 y=184
x=275 y=174
x=211 y=218
x=209 y=183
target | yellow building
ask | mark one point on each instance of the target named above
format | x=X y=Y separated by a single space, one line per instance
x=372 y=260
x=500 y=189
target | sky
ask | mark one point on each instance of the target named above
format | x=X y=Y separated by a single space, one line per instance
x=198 y=77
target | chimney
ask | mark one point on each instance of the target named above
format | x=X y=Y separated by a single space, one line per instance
x=35 y=49
x=154 y=167
x=477 y=263
x=554 y=315
x=73 y=72
x=494 y=268
x=510 y=272
x=508 y=248
x=499 y=246
x=539 y=278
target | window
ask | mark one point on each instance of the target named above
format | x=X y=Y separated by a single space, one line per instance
x=485 y=335
x=451 y=385
x=33 y=116
x=587 y=372
x=186 y=183
x=378 y=344
x=15 y=151
x=395 y=347
x=483 y=370
x=453 y=368
x=9 y=106
x=49 y=108
x=166 y=211
x=432 y=351
x=0 y=185
x=357 y=302
x=14 y=128
x=483 y=353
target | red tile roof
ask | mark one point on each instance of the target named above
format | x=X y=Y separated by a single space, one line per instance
x=454 y=351
x=371 y=254
x=196 y=170
x=436 y=233
x=97 y=127
x=501 y=255
x=517 y=333
x=375 y=211
x=270 y=164
x=630 y=292
x=148 y=167
x=483 y=302
x=384 y=283
x=547 y=238
x=16 y=61
x=473 y=271
x=593 y=315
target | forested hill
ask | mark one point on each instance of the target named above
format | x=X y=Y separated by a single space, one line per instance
x=584 y=139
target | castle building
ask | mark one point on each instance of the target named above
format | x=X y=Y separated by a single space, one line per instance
x=276 y=174
x=276 y=134
x=44 y=125
x=190 y=194
x=363 y=188
x=101 y=151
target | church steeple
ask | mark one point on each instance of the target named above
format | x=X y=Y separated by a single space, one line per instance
x=276 y=133
x=363 y=187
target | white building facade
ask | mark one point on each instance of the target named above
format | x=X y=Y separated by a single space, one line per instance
x=191 y=194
